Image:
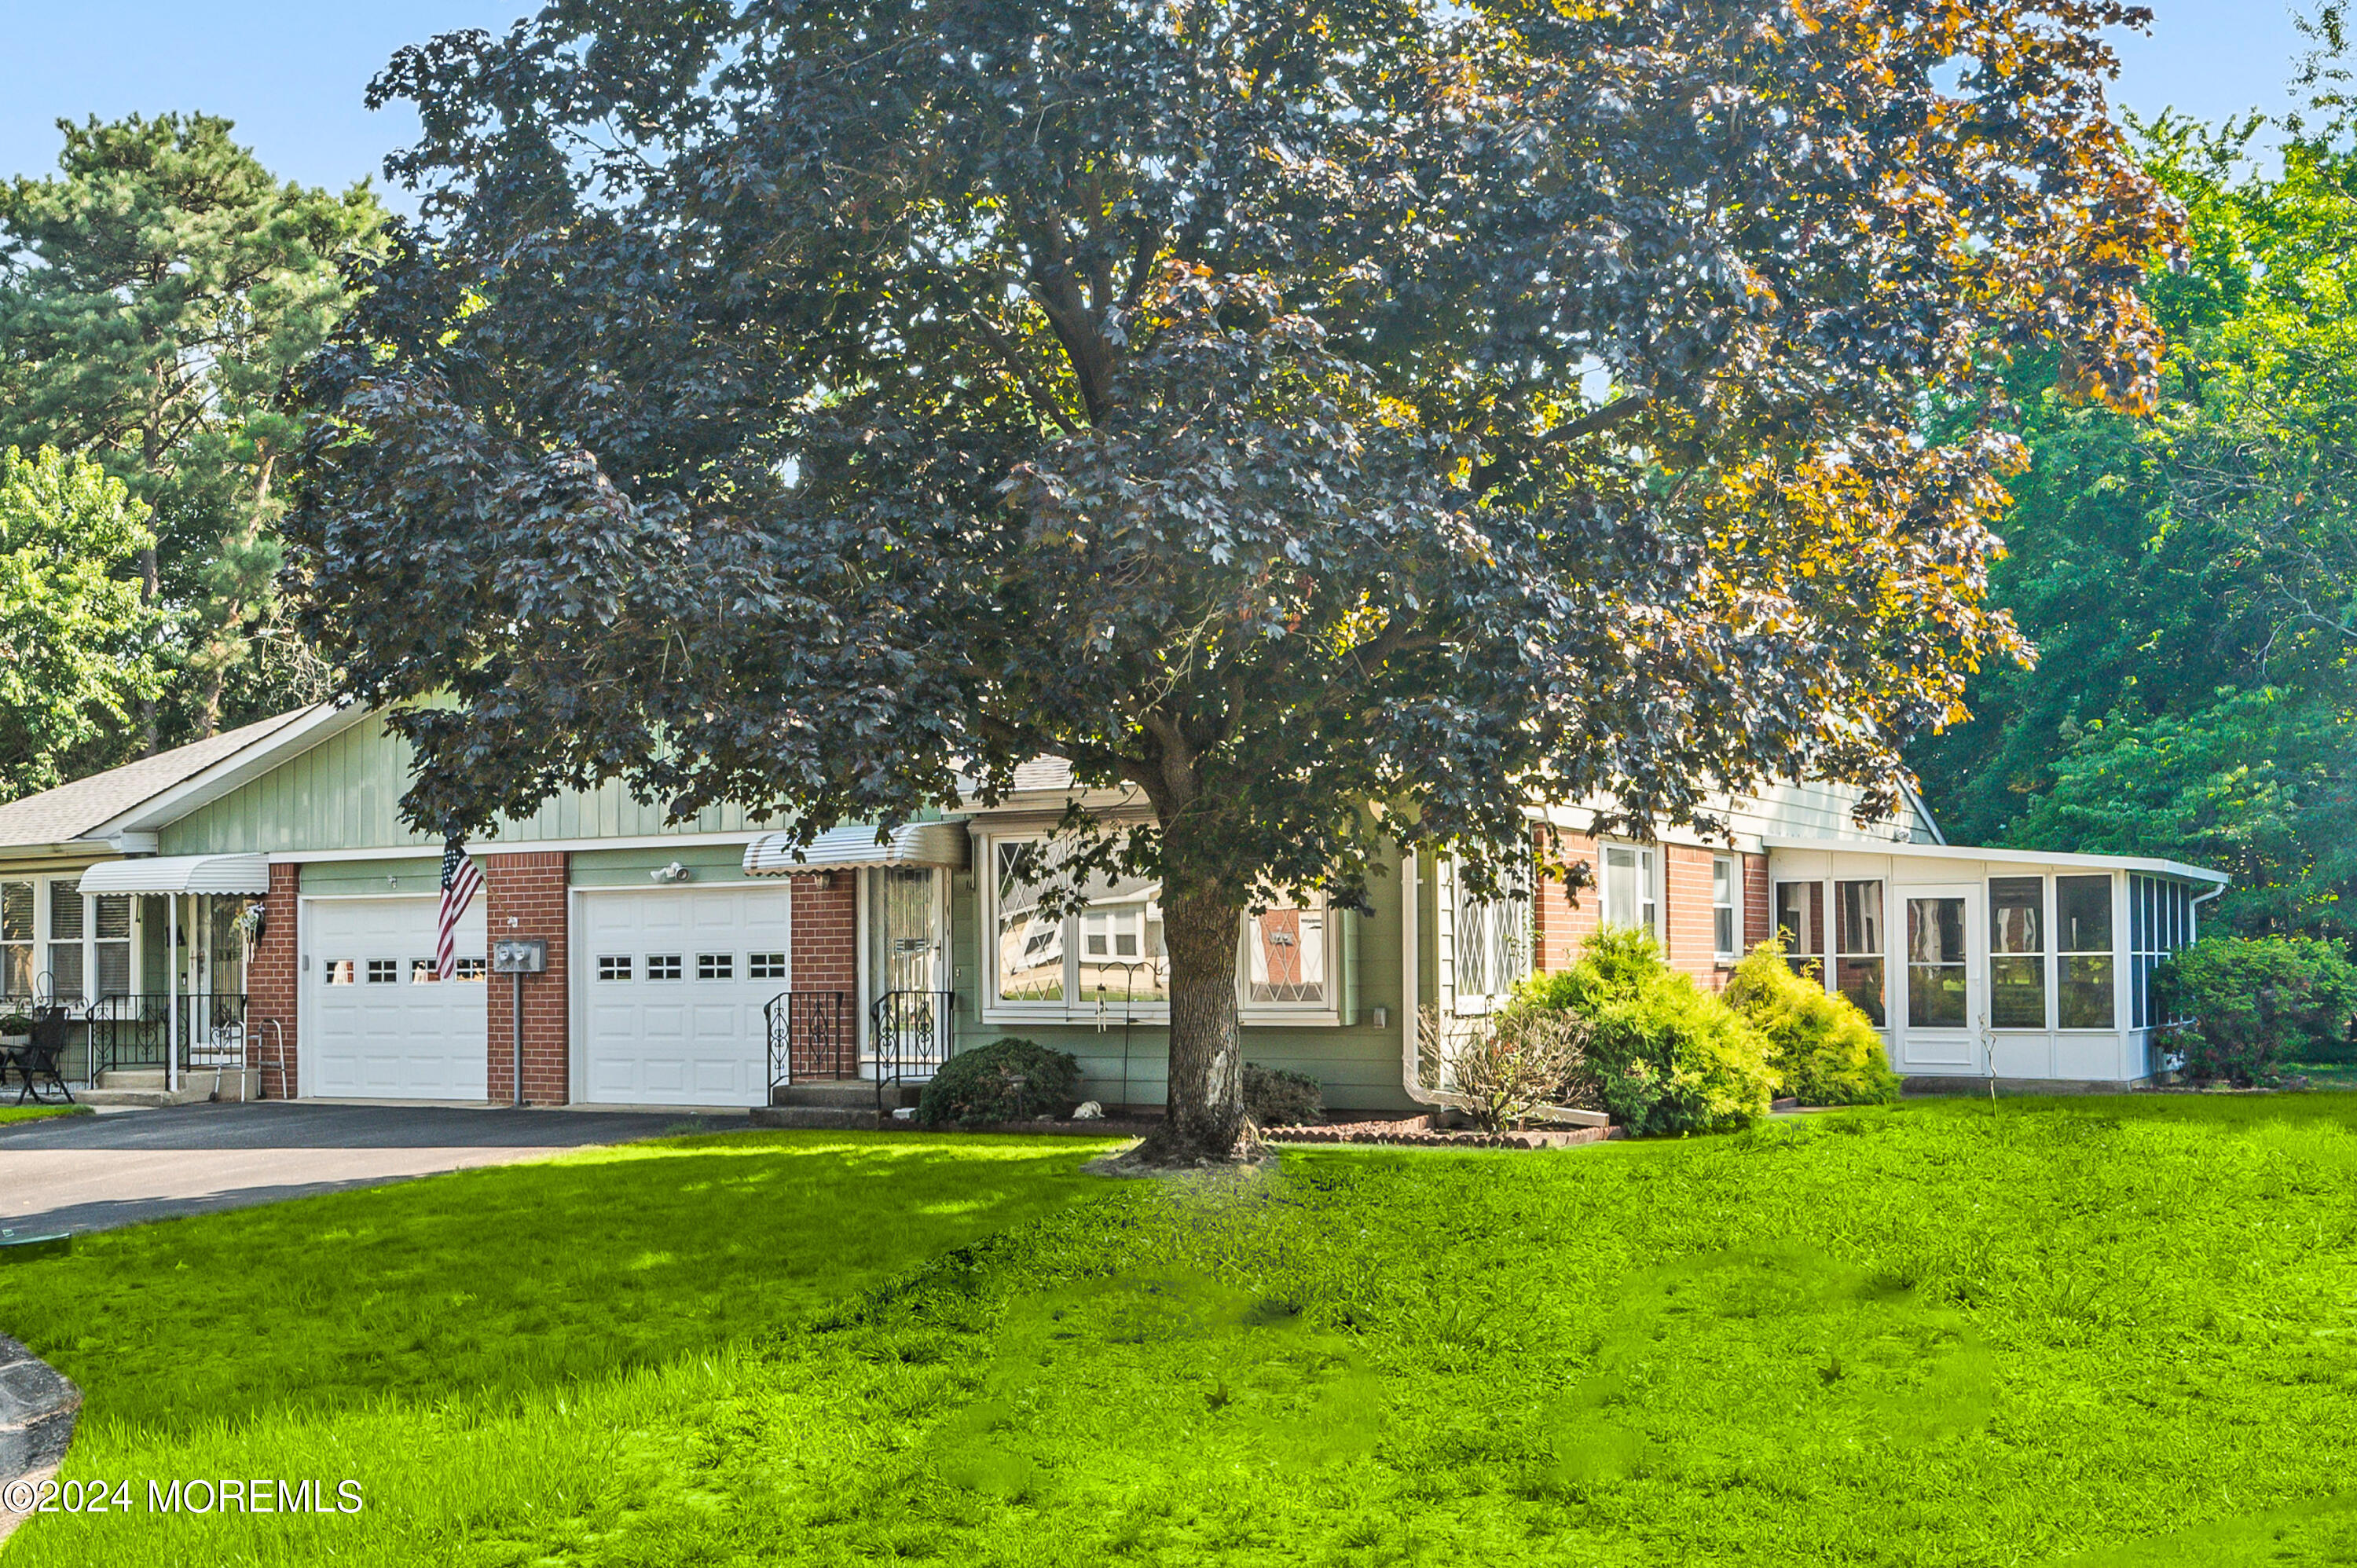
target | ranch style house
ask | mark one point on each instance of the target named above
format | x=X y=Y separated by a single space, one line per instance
x=248 y=915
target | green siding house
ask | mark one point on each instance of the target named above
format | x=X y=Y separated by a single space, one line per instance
x=248 y=915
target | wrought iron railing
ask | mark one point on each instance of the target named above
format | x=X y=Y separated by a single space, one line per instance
x=135 y=1030
x=910 y=1032
x=812 y=1035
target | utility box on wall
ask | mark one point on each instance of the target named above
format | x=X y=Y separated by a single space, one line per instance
x=518 y=955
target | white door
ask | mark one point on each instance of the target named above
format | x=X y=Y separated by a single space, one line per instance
x=673 y=983
x=1941 y=984
x=378 y=1026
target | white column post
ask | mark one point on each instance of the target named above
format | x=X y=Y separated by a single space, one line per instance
x=172 y=993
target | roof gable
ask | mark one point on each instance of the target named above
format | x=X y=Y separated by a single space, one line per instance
x=80 y=809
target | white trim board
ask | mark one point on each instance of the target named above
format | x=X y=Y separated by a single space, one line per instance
x=475 y=850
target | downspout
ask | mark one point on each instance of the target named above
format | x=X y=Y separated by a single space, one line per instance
x=1410 y=986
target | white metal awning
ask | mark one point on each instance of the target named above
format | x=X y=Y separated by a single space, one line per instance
x=845 y=848
x=181 y=873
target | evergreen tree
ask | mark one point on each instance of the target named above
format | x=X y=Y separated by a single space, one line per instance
x=155 y=295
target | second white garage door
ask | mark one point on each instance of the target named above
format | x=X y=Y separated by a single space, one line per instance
x=379 y=1026
x=673 y=985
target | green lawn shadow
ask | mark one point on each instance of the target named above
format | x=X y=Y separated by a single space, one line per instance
x=488 y=1284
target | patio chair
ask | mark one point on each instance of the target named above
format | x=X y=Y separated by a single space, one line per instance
x=40 y=1063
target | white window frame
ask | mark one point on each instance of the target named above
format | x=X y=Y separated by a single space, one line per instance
x=90 y=941
x=1649 y=868
x=1075 y=1008
x=1732 y=865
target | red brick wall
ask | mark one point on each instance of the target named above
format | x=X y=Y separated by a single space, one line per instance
x=1562 y=925
x=1686 y=917
x=1757 y=916
x=273 y=982
x=826 y=936
x=529 y=888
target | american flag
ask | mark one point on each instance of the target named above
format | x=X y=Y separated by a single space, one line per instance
x=459 y=881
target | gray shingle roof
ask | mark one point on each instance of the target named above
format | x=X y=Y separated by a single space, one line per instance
x=69 y=811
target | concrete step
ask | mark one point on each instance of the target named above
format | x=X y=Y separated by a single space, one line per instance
x=140 y=1098
x=131 y=1077
x=842 y=1093
x=818 y=1117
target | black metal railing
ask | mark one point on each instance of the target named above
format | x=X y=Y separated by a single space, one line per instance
x=812 y=1035
x=910 y=1033
x=135 y=1030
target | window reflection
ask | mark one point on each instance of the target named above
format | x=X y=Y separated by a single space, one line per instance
x=1286 y=949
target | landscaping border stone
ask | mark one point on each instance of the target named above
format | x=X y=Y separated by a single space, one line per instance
x=1418 y=1132
x=38 y=1407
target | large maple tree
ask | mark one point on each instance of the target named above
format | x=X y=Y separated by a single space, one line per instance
x=1331 y=427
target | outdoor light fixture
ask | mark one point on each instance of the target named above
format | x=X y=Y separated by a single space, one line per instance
x=675 y=872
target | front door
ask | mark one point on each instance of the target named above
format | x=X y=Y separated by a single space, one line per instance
x=1941 y=990
x=908 y=1026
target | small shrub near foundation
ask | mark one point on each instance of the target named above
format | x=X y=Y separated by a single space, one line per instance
x=1006 y=1080
x=1824 y=1050
x=1278 y=1097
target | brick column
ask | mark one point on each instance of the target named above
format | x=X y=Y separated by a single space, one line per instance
x=273 y=982
x=529 y=888
x=1561 y=925
x=1687 y=929
x=1758 y=921
x=826 y=934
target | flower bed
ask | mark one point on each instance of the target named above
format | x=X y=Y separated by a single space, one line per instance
x=1417 y=1132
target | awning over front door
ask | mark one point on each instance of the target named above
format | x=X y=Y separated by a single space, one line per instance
x=181 y=873
x=846 y=848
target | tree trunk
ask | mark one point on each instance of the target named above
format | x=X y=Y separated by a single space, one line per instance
x=1204 y=1122
x=150 y=590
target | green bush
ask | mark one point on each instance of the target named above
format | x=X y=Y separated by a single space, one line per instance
x=1825 y=1051
x=1664 y=1056
x=1275 y=1097
x=2255 y=1003
x=1006 y=1080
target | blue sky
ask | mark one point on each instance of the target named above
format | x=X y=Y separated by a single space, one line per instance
x=292 y=74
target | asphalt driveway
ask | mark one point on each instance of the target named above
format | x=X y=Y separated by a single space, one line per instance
x=92 y=1172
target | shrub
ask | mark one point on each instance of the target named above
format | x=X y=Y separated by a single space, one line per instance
x=1275 y=1097
x=2255 y=1003
x=1507 y=1067
x=1006 y=1080
x=1825 y=1051
x=1664 y=1056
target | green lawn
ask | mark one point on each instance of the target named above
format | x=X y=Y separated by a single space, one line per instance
x=2114 y=1331
x=35 y=1113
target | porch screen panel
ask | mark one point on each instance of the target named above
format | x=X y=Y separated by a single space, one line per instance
x=2082 y=920
x=15 y=939
x=1936 y=978
x=1858 y=946
x=2018 y=952
x=65 y=942
x=1801 y=926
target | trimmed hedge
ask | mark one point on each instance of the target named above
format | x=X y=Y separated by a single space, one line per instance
x=1664 y=1055
x=1006 y=1080
x=1276 y=1097
x=1824 y=1050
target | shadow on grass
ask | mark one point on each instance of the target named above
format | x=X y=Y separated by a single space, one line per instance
x=486 y=1285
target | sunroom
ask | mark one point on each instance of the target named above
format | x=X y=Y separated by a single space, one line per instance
x=2018 y=964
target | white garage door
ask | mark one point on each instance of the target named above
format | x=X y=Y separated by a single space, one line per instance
x=379 y=1026
x=675 y=984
